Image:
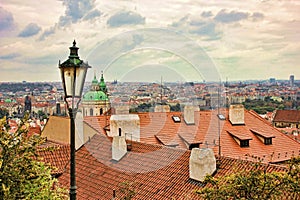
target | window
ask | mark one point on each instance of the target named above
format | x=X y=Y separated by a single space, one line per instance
x=91 y=112
x=176 y=118
x=221 y=117
x=244 y=143
x=268 y=141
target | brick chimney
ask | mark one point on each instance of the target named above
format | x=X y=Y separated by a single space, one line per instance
x=119 y=147
x=189 y=114
x=236 y=114
x=202 y=163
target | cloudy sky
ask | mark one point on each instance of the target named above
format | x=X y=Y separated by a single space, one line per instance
x=179 y=40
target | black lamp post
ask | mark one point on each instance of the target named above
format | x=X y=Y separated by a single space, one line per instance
x=73 y=73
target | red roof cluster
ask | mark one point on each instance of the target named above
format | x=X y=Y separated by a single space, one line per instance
x=152 y=171
x=160 y=128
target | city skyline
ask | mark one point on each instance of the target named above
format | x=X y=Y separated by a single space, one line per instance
x=128 y=40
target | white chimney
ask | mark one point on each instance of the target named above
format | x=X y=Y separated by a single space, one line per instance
x=162 y=108
x=236 y=114
x=189 y=114
x=202 y=163
x=130 y=125
x=119 y=147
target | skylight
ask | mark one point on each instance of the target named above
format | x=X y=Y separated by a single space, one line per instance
x=221 y=117
x=176 y=118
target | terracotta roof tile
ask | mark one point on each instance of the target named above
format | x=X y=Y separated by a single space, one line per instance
x=160 y=128
x=157 y=172
x=287 y=116
x=56 y=155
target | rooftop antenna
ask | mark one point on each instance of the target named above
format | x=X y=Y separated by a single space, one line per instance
x=219 y=126
x=161 y=90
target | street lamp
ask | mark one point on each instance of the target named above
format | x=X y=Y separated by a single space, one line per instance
x=73 y=73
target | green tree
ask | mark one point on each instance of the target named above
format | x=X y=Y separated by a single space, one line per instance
x=3 y=112
x=22 y=174
x=255 y=184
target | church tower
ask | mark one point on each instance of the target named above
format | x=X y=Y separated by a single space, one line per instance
x=96 y=101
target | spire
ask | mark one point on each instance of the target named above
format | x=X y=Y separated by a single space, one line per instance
x=102 y=79
x=95 y=81
x=102 y=83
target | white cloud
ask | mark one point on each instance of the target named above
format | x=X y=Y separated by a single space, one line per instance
x=249 y=36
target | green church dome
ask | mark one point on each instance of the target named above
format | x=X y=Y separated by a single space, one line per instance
x=7 y=100
x=95 y=96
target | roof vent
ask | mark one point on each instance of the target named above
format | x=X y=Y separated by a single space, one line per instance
x=202 y=163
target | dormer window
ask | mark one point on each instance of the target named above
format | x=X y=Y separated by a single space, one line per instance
x=244 y=143
x=268 y=141
x=243 y=139
x=264 y=136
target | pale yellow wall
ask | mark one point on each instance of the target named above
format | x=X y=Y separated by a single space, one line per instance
x=57 y=129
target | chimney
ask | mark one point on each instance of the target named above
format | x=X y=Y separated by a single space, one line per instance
x=129 y=123
x=119 y=146
x=236 y=114
x=202 y=163
x=162 y=108
x=189 y=114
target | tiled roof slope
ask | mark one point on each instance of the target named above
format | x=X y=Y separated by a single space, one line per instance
x=155 y=171
x=97 y=122
x=56 y=155
x=287 y=116
x=160 y=128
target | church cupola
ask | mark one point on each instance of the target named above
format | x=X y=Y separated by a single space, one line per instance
x=96 y=102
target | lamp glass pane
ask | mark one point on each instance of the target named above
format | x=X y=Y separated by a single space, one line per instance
x=69 y=81
x=80 y=78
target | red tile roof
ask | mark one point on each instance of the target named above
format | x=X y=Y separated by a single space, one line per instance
x=156 y=171
x=287 y=116
x=160 y=128
x=57 y=155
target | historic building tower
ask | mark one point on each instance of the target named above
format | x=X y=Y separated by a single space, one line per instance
x=96 y=102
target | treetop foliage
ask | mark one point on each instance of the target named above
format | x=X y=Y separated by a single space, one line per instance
x=255 y=184
x=23 y=175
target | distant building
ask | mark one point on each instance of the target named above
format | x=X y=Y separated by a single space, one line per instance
x=287 y=118
x=272 y=80
x=96 y=101
x=27 y=107
x=292 y=80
